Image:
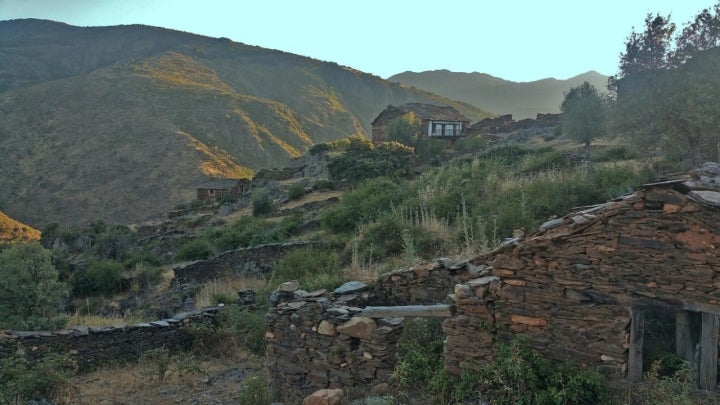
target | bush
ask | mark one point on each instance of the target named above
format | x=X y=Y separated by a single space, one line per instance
x=250 y=231
x=323 y=184
x=100 y=278
x=31 y=297
x=296 y=191
x=314 y=268
x=196 y=249
x=247 y=327
x=46 y=379
x=256 y=390
x=261 y=202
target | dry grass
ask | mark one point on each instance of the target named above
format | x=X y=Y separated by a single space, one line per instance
x=210 y=380
x=101 y=321
x=227 y=286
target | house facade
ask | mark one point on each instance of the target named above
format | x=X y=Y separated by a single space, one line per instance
x=219 y=189
x=443 y=122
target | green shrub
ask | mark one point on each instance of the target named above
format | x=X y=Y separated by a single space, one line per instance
x=46 y=379
x=313 y=268
x=255 y=391
x=246 y=327
x=296 y=191
x=361 y=205
x=250 y=231
x=519 y=375
x=319 y=148
x=612 y=154
x=100 y=278
x=196 y=249
x=261 y=202
x=323 y=184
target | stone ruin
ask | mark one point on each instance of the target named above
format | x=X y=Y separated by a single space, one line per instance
x=578 y=288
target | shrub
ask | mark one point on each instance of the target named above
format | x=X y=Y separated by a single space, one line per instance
x=196 y=249
x=247 y=327
x=313 y=268
x=31 y=297
x=256 y=390
x=323 y=184
x=251 y=231
x=46 y=379
x=296 y=191
x=261 y=202
x=100 y=278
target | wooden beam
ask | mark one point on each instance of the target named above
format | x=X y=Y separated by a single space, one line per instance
x=708 y=352
x=635 y=360
x=440 y=310
x=684 y=342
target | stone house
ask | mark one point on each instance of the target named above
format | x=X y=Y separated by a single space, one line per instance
x=589 y=286
x=218 y=189
x=437 y=121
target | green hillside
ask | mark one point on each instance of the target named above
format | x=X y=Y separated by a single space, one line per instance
x=521 y=99
x=117 y=123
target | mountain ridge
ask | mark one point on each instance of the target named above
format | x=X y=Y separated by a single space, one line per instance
x=500 y=96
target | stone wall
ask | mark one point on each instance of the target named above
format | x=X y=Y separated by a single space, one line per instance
x=95 y=346
x=572 y=287
x=252 y=262
x=325 y=340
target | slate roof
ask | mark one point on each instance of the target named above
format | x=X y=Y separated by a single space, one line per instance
x=219 y=184
x=427 y=112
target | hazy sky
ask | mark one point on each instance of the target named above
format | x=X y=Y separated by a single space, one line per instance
x=512 y=39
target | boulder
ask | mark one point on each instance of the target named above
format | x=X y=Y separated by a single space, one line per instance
x=325 y=397
x=358 y=327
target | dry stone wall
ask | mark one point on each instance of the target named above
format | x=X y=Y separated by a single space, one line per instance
x=325 y=340
x=91 y=347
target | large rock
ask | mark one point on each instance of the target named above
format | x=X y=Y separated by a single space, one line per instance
x=325 y=397
x=358 y=327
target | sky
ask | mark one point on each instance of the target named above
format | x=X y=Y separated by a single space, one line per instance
x=512 y=39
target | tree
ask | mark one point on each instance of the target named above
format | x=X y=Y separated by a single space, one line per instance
x=584 y=114
x=405 y=129
x=701 y=34
x=648 y=50
x=31 y=297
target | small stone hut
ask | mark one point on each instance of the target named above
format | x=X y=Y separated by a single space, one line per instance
x=218 y=189
x=443 y=122
x=583 y=286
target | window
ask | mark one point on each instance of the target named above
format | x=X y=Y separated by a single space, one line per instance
x=437 y=130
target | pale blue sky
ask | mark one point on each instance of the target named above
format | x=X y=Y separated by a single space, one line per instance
x=513 y=39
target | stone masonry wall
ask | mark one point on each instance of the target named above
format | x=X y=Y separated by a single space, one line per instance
x=253 y=261
x=572 y=286
x=322 y=340
x=91 y=347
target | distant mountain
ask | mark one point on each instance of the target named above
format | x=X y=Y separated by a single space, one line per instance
x=522 y=100
x=12 y=231
x=117 y=123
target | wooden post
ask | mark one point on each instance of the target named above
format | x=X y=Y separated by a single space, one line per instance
x=635 y=360
x=708 y=352
x=684 y=343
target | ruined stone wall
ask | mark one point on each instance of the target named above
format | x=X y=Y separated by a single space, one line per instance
x=91 y=347
x=572 y=286
x=323 y=340
x=252 y=262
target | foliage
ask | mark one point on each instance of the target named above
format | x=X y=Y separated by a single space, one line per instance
x=246 y=327
x=313 y=268
x=363 y=204
x=682 y=118
x=676 y=389
x=161 y=364
x=196 y=249
x=256 y=390
x=46 y=379
x=251 y=231
x=359 y=160
x=296 y=191
x=648 y=50
x=701 y=34
x=323 y=184
x=420 y=350
x=584 y=114
x=100 y=278
x=519 y=375
x=31 y=297
x=405 y=129
x=262 y=202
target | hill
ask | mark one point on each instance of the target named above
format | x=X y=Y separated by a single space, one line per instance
x=14 y=231
x=521 y=99
x=117 y=123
